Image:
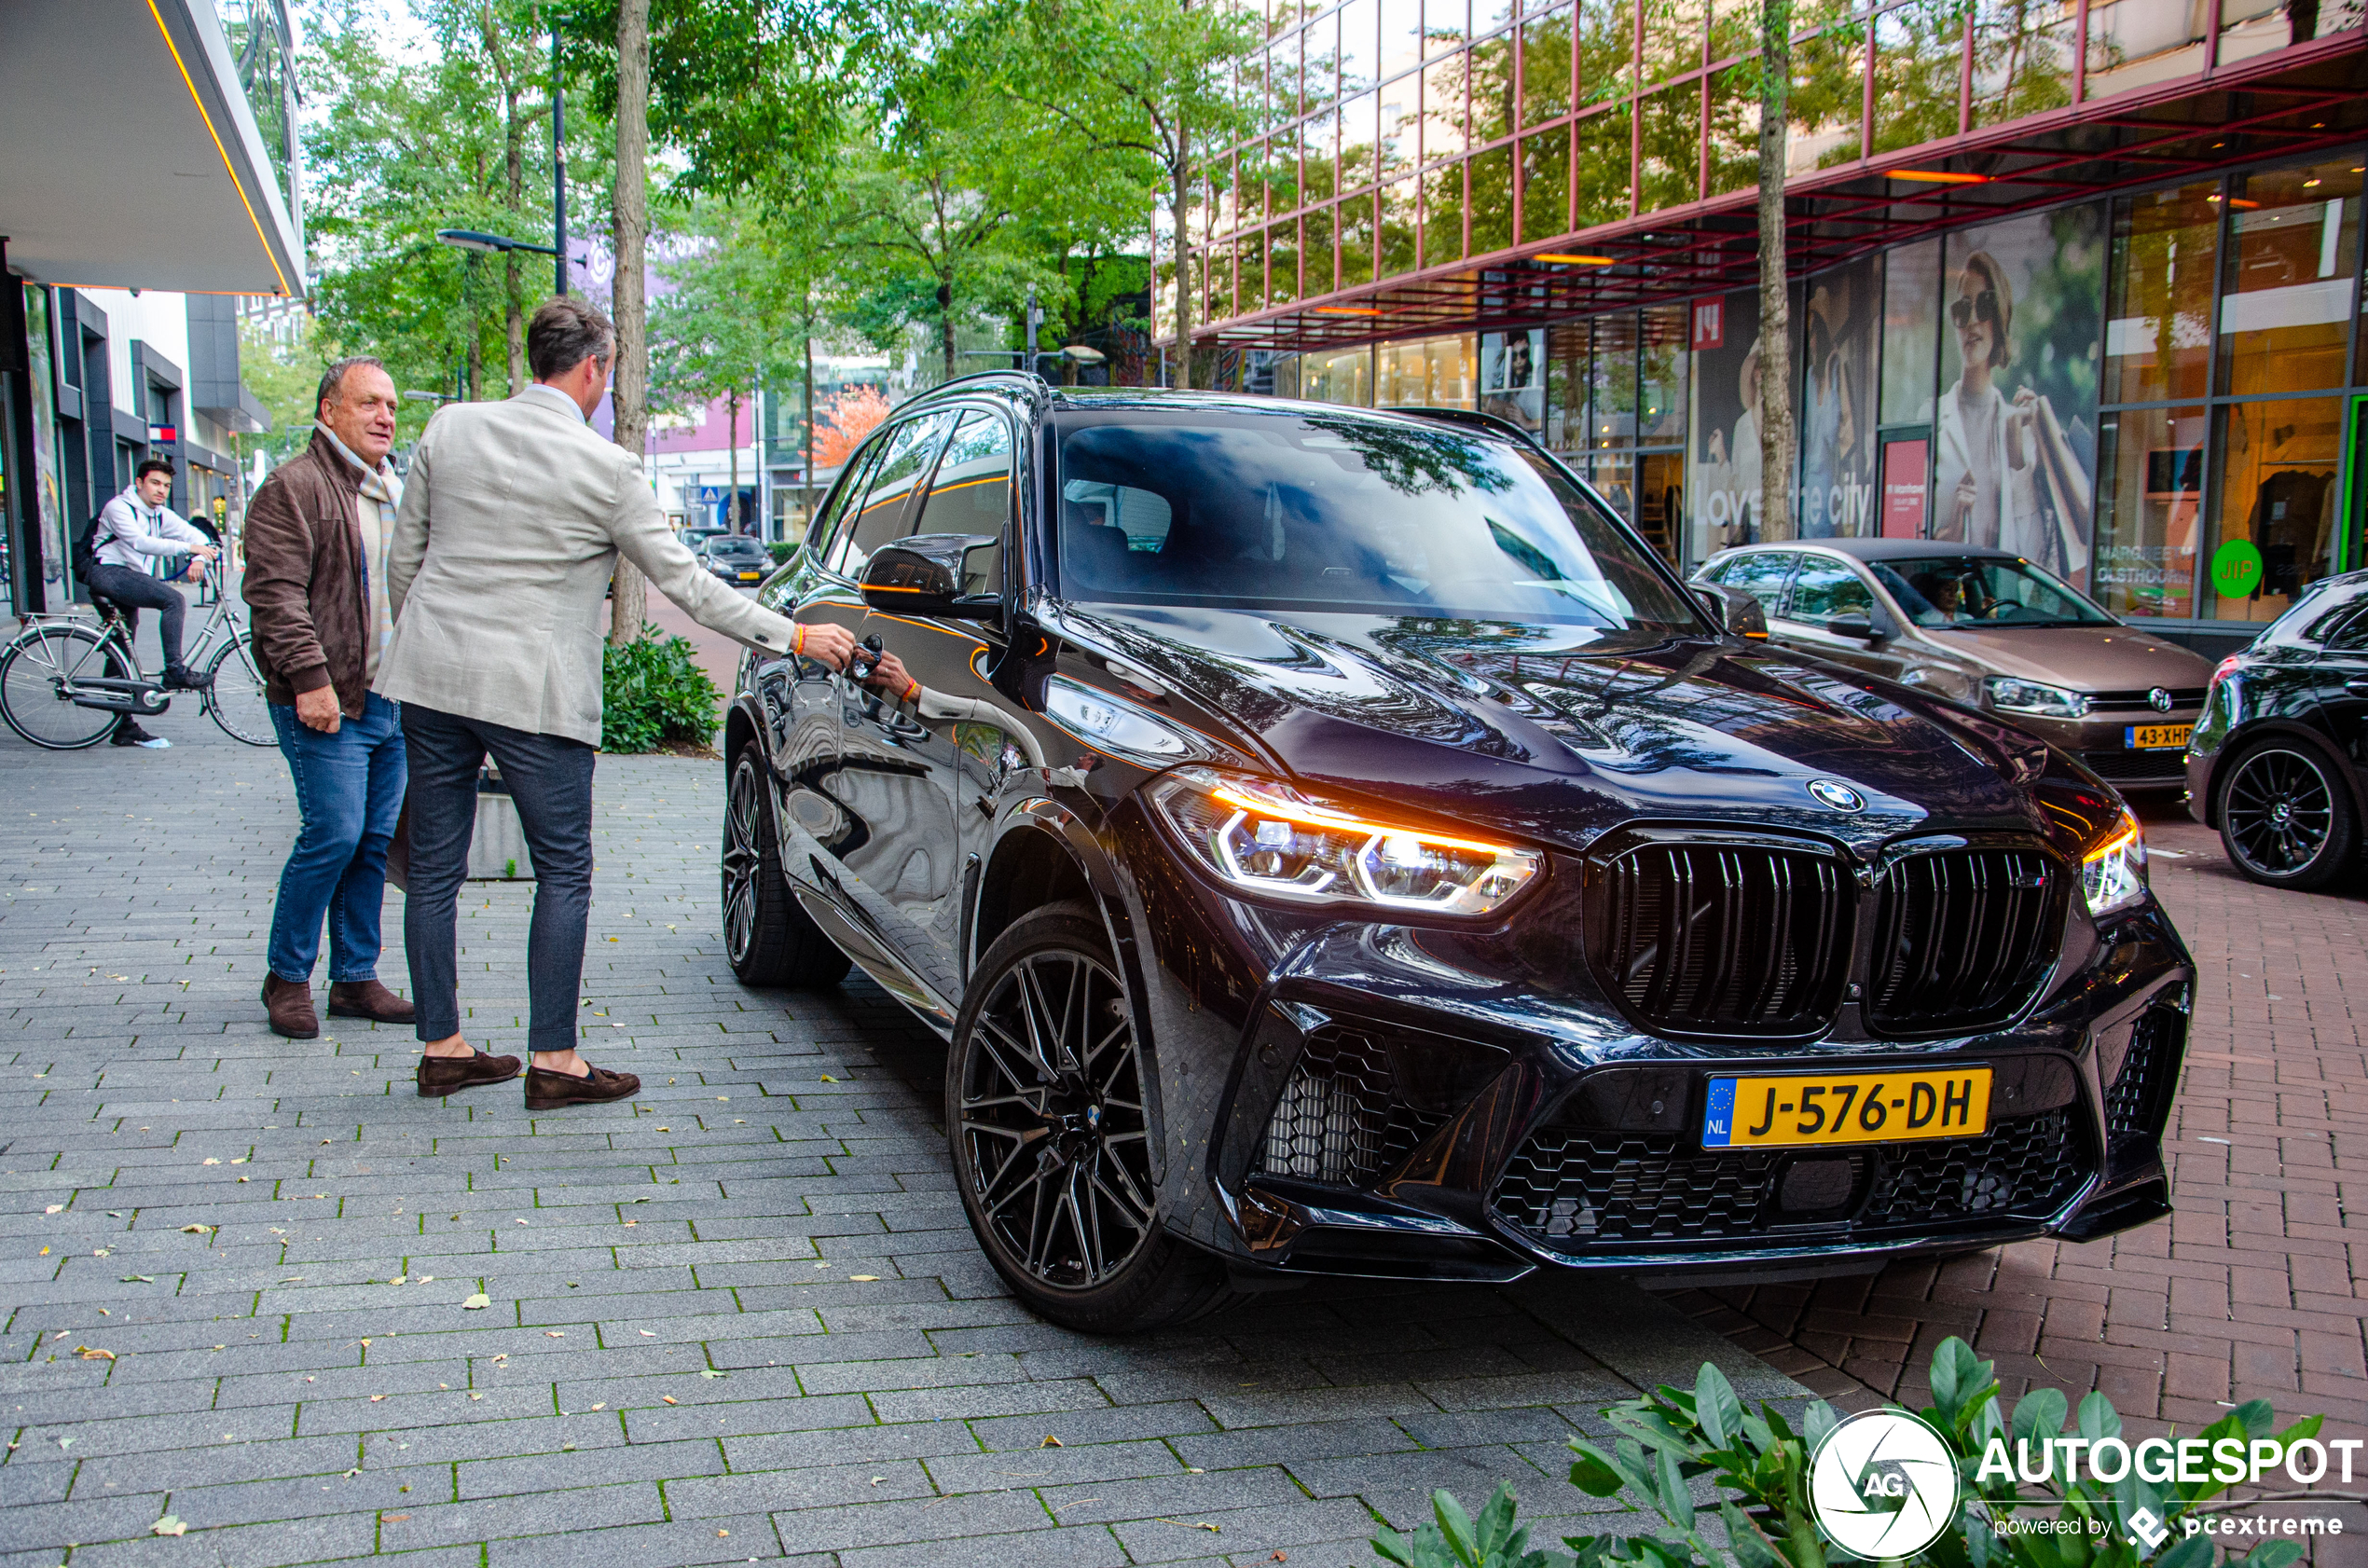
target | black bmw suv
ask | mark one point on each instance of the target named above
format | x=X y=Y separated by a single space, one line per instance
x=1330 y=842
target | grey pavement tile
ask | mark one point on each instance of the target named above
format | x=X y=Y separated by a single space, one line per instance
x=1089 y=1546
x=929 y=1377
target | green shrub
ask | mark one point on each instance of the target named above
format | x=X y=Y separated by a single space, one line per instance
x=782 y=550
x=653 y=693
x=1762 y=1468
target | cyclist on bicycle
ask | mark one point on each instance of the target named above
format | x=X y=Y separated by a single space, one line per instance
x=137 y=534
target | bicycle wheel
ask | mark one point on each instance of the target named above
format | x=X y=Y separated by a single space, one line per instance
x=236 y=698
x=33 y=674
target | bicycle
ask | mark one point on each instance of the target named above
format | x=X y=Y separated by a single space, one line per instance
x=64 y=684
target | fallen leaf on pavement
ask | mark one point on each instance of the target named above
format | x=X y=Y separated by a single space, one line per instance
x=476 y=1301
x=711 y=1372
x=394 y=1518
x=864 y=1279
x=210 y=1162
x=196 y=1229
x=668 y=1398
x=1049 y=1442
x=91 y=1352
x=169 y=1525
x=55 y=1209
x=139 y=1279
x=553 y=1334
x=1190 y=1524
x=376 y=1398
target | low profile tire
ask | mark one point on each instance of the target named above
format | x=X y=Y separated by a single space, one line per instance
x=767 y=936
x=2286 y=816
x=1052 y=1135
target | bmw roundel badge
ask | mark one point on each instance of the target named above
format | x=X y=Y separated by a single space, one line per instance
x=1835 y=793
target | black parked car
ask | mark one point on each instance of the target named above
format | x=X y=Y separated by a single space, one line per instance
x=2279 y=761
x=1331 y=843
x=735 y=557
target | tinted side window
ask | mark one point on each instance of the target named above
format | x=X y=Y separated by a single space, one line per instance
x=881 y=519
x=819 y=534
x=1762 y=575
x=972 y=494
x=2351 y=637
x=1824 y=589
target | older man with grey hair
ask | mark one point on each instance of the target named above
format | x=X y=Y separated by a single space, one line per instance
x=316 y=585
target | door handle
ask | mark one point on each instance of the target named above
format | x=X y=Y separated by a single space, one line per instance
x=2356 y=685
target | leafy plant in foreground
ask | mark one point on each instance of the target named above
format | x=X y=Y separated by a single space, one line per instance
x=1759 y=1467
x=653 y=693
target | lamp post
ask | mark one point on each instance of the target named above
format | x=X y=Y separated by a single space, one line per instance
x=558 y=174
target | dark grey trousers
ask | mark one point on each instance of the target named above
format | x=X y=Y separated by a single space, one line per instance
x=550 y=778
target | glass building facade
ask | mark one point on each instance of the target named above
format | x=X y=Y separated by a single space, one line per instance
x=2079 y=279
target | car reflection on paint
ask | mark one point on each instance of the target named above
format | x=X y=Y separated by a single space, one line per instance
x=1331 y=843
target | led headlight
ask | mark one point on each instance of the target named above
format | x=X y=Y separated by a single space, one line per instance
x=2009 y=696
x=2113 y=874
x=1265 y=838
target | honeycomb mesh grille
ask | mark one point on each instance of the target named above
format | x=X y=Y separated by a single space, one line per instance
x=1342 y=1116
x=2140 y=1094
x=1722 y=940
x=1961 y=938
x=1571 y=1189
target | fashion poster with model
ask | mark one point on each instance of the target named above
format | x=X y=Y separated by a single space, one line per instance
x=1836 y=330
x=2013 y=427
x=1723 y=335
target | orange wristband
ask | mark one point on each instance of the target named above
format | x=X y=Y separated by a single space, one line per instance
x=911 y=689
x=798 y=637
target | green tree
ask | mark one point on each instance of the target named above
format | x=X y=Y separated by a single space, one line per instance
x=1149 y=83
x=283 y=377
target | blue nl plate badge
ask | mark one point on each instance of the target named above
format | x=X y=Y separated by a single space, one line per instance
x=1718 y=1118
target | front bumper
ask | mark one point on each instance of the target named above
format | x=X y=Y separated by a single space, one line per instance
x=2100 y=741
x=1346 y=1098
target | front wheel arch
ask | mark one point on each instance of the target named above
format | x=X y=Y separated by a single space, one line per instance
x=1030 y=868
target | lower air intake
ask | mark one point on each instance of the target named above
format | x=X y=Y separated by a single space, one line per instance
x=1342 y=1118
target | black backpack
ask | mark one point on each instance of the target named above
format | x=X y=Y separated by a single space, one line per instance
x=86 y=550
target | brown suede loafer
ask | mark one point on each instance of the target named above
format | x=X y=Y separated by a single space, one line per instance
x=367 y=998
x=549 y=1090
x=288 y=1004
x=440 y=1076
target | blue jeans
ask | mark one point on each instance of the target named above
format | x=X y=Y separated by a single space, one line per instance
x=349 y=787
x=549 y=779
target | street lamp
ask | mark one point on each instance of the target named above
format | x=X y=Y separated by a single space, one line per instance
x=477 y=243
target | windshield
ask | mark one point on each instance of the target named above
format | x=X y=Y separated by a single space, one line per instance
x=1320 y=513
x=1945 y=591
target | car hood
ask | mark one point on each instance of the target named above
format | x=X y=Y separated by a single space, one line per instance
x=2081 y=658
x=1552 y=734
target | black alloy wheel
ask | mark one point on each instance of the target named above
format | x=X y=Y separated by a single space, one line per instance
x=1052 y=1134
x=2286 y=817
x=767 y=937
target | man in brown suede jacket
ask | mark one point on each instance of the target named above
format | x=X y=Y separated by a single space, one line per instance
x=315 y=584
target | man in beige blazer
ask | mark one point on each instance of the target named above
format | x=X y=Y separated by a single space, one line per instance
x=513 y=516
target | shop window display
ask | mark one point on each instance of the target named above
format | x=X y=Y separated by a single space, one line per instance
x=2150 y=497
x=2165 y=249
x=2287 y=301
x=2277 y=465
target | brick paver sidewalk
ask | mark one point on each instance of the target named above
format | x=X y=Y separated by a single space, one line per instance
x=2257 y=1287
x=738 y=1319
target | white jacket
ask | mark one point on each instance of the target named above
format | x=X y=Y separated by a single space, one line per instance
x=513 y=516
x=132 y=533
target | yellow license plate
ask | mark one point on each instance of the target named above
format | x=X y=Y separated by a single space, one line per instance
x=752 y=576
x=2156 y=737
x=1811 y=1111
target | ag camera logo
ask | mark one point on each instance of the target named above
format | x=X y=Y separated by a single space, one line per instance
x=1882 y=1484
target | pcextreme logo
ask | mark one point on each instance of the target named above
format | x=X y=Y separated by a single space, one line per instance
x=1882 y=1484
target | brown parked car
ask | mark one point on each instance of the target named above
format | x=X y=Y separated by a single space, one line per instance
x=1988 y=628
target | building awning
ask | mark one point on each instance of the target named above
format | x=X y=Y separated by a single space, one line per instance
x=2294 y=102
x=133 y=161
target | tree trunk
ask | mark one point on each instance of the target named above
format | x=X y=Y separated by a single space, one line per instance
x=732 y=438
x=631 y=391
x=513 y=287
x=1179 y=214
x=807 y=527
x=945 y=326
x=1776 y=432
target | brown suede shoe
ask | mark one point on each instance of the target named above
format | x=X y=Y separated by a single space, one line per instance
x=289 y=1005
x=440 y=1076
x=367 y=998
x=549 y=1090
